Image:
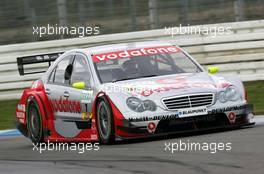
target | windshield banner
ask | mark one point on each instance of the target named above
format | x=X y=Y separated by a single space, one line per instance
x=135 y=52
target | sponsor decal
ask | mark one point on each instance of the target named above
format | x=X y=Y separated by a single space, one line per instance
x=135 y=52
x=188 y=112
x=151 y=127
x=232 y=117
x=93 y=127
x=20 y=115
x=86 y=96
x=94 y=137
x=152 y=118
x=181 y=113
x=223 y=84
x=36 y=84
x=87 y=115
x=21 y=120
x=192 y=119
x=180 y=82
x=21 y=107
x=149 y=90
x=174 y=80
x=228 y=109
x=65 y=105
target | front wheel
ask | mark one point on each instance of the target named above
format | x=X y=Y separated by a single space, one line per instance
x=105 y=121
x=34 y=122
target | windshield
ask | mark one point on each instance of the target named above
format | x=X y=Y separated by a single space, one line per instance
x=148 y=65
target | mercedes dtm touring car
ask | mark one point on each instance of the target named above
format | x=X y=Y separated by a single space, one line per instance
x=126 y=90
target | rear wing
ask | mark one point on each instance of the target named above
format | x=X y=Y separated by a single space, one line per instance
x=42 y=58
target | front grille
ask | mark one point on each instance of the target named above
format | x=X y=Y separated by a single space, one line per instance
x=188 y=101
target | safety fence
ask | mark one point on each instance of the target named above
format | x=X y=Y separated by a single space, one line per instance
x=240 y=51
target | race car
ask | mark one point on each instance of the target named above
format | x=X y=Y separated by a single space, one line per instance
x=127 y=90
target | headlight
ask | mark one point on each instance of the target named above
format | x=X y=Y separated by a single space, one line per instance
x=138 y=105
x=230 y=94
x=149 y=105
x=221 y=97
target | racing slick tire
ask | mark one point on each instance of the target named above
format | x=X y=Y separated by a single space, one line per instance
x=105 y=121
x=34 y=122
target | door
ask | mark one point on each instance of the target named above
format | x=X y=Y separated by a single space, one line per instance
x=71 y=106
x=56 y=85
x=81 y=74
x=57 y=89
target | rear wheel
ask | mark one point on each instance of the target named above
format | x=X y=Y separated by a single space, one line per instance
x=34 y=122
x=105 y=121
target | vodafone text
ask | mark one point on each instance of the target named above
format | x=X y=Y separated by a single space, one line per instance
x=135 y=52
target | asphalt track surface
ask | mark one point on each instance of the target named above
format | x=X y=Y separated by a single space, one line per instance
x=142 y=156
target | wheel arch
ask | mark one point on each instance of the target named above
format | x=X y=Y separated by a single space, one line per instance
x=118 y=117
x=36 y=98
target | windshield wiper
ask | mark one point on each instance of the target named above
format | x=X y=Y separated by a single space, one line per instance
x=152 y=75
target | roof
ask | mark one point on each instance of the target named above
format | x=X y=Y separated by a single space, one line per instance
x=123 y=46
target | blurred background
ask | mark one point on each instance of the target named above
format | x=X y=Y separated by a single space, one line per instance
x=17 y=17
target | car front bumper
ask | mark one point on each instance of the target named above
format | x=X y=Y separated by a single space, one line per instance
x=215 y=119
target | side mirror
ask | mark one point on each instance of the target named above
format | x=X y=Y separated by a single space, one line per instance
x=79 y=85
x=212 y=69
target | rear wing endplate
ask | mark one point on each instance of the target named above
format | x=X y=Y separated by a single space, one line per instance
x=42 y=58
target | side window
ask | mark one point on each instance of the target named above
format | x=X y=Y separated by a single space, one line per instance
x=81 y=71
x=60 y=70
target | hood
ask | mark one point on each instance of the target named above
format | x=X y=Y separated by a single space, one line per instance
x=156 y=88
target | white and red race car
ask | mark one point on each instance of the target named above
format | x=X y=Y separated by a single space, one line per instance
x=124 y=91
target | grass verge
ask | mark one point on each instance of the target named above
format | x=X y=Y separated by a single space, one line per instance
x=7 y=114
x=255 y=91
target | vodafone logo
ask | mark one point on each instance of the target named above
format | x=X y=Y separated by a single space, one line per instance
x=135 y=52
x=63 y=105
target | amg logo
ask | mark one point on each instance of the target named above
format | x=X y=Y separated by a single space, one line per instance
x=65 y=105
